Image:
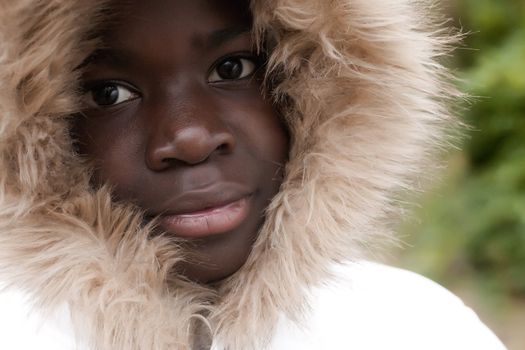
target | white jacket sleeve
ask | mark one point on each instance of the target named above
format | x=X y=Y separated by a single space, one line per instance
x=374 y=307
x=22 y=327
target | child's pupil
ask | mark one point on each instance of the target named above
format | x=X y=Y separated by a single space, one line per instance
x=230 y=69
x=106 y=95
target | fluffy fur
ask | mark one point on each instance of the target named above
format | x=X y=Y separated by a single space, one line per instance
x=365 y=99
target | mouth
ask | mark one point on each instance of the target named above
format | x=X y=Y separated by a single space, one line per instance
x=214 y=220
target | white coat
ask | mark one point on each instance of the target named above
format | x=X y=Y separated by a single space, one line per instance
x=367 y=306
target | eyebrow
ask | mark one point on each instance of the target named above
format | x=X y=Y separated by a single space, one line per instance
x=219 y=37
x=108 y=56
x=122 y=58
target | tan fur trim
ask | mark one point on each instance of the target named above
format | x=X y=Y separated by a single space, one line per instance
x=364 y=98
x=59 y=241
x=366 y=109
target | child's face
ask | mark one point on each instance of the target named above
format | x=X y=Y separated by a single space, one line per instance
x=177 y=124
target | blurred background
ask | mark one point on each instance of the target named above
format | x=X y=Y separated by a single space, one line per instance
x=469 y=231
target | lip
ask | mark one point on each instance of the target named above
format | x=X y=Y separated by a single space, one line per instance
x=199 y=198
x=210 y=221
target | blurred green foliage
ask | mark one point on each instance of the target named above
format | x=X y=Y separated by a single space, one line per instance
x=475 y=223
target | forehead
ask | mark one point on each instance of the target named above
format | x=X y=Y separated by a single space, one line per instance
x=158 y=27
x=166 y=31
x=138 y=16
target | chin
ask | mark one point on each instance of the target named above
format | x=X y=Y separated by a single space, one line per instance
x=216 y=258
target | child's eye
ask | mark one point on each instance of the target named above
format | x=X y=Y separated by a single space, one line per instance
x=232 y=68
x=110 y=94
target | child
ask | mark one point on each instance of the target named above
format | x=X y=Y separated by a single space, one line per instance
x=210 y=174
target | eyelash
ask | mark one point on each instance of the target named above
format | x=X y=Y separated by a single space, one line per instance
x=91 y=88
x=244 y=57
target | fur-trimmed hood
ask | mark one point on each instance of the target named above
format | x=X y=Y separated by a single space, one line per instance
x=365 y=101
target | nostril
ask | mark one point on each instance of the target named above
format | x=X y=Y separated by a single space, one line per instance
x=223 y=147
x=225 y=142
x=169 y=161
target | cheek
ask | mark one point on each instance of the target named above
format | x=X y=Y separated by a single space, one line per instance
x=268 y=144
x=262 y=141
x=112 y=147
x=264 y=131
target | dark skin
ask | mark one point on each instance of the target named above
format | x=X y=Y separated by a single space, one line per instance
x=176 y=116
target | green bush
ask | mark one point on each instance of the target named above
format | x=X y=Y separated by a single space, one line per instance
x=476 y=221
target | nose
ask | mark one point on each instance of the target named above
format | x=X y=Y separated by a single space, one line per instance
x=187 y=138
